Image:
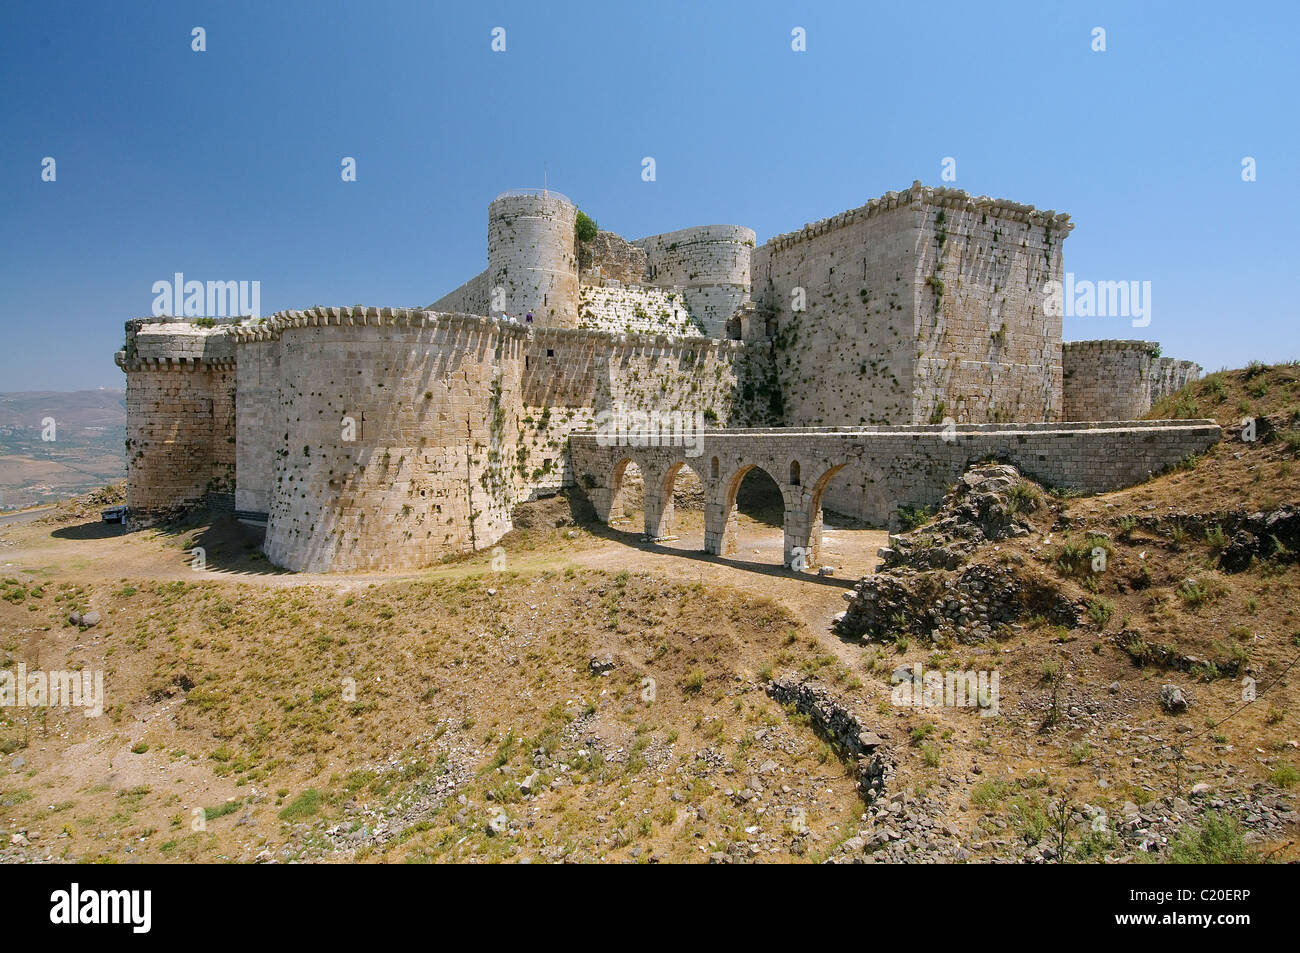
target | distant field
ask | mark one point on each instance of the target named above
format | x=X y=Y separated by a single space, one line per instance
x=87 y=452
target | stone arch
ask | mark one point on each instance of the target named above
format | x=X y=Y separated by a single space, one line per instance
x=616 y=496
x=660 y=507
x=803 y=522
x=859 y=491
x=819 y=488
x=720 y=523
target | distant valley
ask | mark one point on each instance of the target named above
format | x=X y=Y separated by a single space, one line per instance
x=87 y=450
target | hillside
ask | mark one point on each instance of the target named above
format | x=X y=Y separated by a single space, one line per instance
x=1095 y=605
x=552 y=712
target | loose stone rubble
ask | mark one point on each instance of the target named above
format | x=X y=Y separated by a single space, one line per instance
x=925 y=586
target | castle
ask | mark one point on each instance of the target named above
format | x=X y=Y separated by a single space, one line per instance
x=370 y=438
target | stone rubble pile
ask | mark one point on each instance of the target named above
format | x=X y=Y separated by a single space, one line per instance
x=922 y=587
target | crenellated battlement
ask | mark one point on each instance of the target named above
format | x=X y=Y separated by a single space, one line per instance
x=940 y=197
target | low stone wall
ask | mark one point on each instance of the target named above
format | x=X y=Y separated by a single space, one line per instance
x=832 y=720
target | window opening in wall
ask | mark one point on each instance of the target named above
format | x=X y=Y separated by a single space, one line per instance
x=794 y=473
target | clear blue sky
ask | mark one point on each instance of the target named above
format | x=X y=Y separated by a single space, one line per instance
x=225 y=164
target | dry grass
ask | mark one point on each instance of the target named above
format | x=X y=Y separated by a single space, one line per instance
x=238 y=692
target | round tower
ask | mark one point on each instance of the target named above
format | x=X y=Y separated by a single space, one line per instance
x=532 y=258
x=710 y=263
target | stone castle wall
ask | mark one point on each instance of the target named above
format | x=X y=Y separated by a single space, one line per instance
x=473 y=297
x=259 y=425
x=1119 y=380
x=635 y=310
x=847 y=357
x=609 y=256
x=180 y=433
x=1171 y=374
x=917 y=307
x=390 y=438
x=570 y=377
x=394 y=439
x=990 y=351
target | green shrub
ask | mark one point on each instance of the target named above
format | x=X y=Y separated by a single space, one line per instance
x=1217 y=841
x=1100 y=611
x=1023 y=498
x=1216 y=537
x=1284 y=775
x=913 y=516
x=305 y=805
x=989 y=793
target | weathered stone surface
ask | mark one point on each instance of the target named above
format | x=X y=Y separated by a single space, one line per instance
x=1119 y=380
x=1275 y=534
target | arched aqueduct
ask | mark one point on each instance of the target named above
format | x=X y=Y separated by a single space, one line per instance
x=911 y=466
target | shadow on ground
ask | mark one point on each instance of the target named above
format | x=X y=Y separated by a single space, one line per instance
x=572 y=508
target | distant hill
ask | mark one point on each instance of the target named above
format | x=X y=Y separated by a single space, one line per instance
x=87 y=452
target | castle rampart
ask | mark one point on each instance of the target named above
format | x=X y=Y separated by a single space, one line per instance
x=180 y=434
x=710 y=264
x=473 y=297
x=611 y=257
x=1112 y=380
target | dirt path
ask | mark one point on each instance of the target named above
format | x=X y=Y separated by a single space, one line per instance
x=98 y=552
